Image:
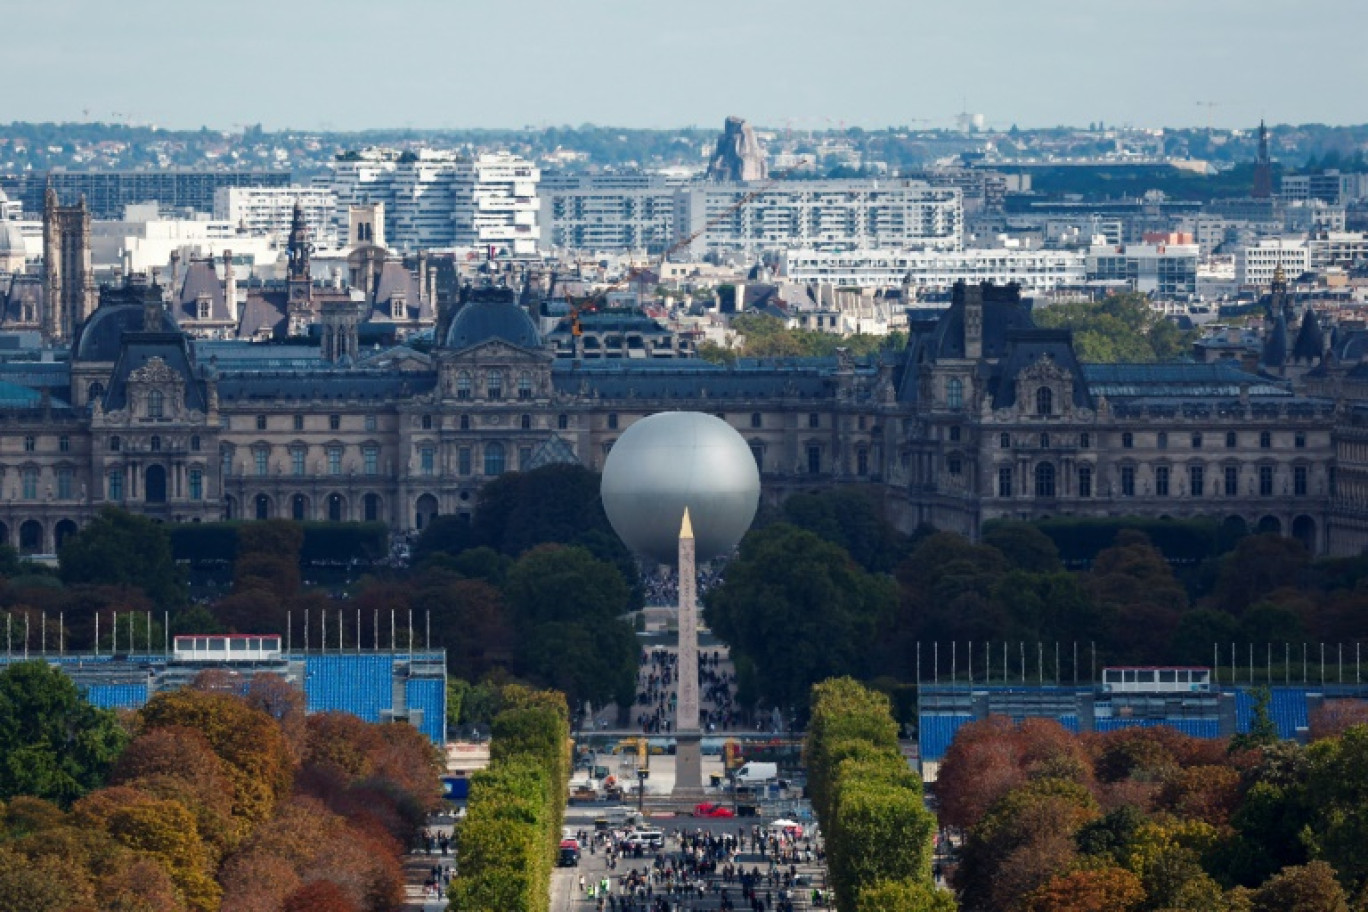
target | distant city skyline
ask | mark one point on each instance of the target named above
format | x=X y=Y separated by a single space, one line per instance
x=428 y=64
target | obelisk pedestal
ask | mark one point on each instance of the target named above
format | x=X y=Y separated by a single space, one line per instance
x=689 y=751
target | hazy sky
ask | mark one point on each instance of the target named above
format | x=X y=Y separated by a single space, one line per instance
x=348 y=64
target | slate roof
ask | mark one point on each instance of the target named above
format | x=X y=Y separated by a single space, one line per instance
x=1024 y=348
x=201 y=279
x=480 y=321
x=99 y=339
x=263 y=311
x=1177 y=381
x=394 y=280
x=319 y=386
x=23 y=290
x=693 y=379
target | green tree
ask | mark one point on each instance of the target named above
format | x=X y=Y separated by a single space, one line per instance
x=1337 y=787
x=566 y=608
x=121 y=548
x=851 y=518
x=53 y=744
x=1121 y=328
x=904 y=896
x=800 y=609
x=1024 y=545
x=1309 y=888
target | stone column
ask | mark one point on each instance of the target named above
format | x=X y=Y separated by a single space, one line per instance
x=688 y=753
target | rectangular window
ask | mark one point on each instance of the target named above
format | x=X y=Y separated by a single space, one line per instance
x=1128 y=481
x=334 y=460
x=1265 y=481
x=1299 y=441
x=427 y=460
x=1085 y=481
x=463 y=461
x=1196 y=480
x=371 y=460
x=116 y=484
x=196 y=484
x=261 y=422
x=226 y=458
x=814 y=420
x=64 y=444
x=1231 y=440
x=1127 y=441
x=1161 y=481
x=64 y=477
x=299 y=422
x=954 y=465
x=261 y=457
x=814 y=454
x=1232 y=481
x=370 y=422
x=297 y=461
x=1005 y=481
x=1196 y=441
x=861 y=462
x=1299 y=481
x=29 y=480
x=334 y=422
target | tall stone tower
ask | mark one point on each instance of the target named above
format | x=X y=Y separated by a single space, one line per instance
x=298 y=280
x=339 y=320
x=69 y=295
x=1263 y=168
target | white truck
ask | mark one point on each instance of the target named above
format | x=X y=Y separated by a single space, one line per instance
x=756 y=773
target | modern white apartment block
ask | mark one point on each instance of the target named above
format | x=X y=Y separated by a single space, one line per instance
x=494 y=204
x=749 y=218
x=269 y=211
x=608 y=212
x=1164 y=270
x=1345 y=249
x=1330 y=186
x=417 y=189
x=1256 y=263
x=1034 y=270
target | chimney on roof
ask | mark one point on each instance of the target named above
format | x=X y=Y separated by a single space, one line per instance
x=229 y=286
x=973 y=321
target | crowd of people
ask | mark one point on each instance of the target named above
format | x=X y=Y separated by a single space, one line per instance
x=707 y=867
x=662 y=589
x=658 y=692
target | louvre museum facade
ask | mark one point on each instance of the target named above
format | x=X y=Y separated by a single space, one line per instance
x=981 y=416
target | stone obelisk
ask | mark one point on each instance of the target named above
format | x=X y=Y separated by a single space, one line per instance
x=688 y=752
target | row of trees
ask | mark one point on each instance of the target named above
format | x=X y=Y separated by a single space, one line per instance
x=1148 y=819
x=203 y=800
x=826 y=588
x=767 y=336
x=509 y=838
x=878 y=832
x=1122 y=327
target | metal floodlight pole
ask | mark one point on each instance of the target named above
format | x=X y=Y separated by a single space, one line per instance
x=288 y=630
x=1306 y=678
x=26 y=634
x=1270 y=664
x=61 y=633
x=323 y=629
x=954 y=658
x=919 y=664
x=1322 y=664
x=1339 y=663
x=969 y=661
x=427 y=630
x=358 y=631
x=42 y=633
x=306 y=631
x=97 y=633
x=1040 y=662
x=1287 y=662
x=1215 y=662
x=1056 y=662
x=1021 y=644
x=341 y=623
x=1075 y=662
x=1251 y=661
x=935 y=663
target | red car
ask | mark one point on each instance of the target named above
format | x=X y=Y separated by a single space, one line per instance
x=712 y=810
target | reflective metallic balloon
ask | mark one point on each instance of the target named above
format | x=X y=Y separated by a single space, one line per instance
x=671 y=460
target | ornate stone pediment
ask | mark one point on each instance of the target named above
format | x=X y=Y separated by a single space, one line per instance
x=154 y=371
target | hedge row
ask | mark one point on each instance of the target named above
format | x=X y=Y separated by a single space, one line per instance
x=324 y=542
x=878 y=831
x=507 y=843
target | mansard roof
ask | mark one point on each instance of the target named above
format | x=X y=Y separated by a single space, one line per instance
x=480 y=321
x=1003 y=312
x=201 y=279
x=1028 y=347
x=142 y=347
x=321 y=386
x=1178 y=381
x=102 y=335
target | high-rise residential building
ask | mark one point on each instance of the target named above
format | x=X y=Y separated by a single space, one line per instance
x=1032 y=270
x=108 y=193
x=1164 y=270
x=495 y=204
x=269 y=211
x=1256 y=264
x=437 y=199
x=822 y=215
x=610 y=212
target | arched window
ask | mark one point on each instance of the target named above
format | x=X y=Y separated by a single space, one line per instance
x=1045 y=479
x=154 y=404
x=463 y=385
x=95 y=391
x=524 y=385
x=494 y=385
x=954 y=393
x=1044 y=401
x=493 y=459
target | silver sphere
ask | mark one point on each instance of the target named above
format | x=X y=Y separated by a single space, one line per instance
x=672 y=460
